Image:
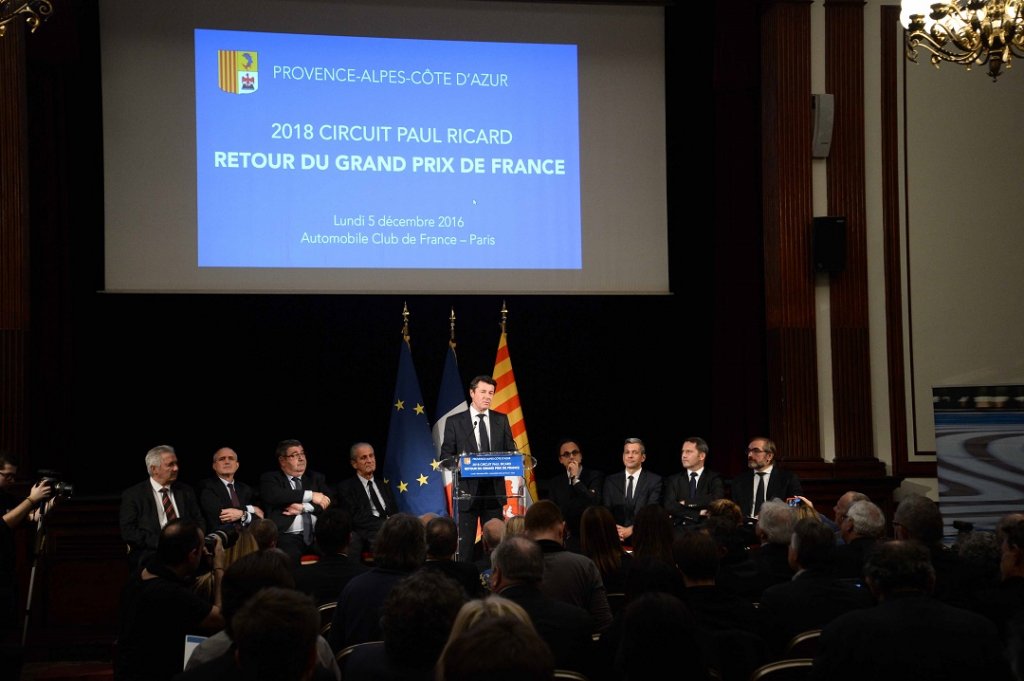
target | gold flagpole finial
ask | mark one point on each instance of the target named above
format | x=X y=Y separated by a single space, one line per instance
x=405 y=321
x=504 y=316
x=451 y=329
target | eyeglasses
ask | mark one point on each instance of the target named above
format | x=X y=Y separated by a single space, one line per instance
x=755 y=450
x=566 y=455
x=294 y=456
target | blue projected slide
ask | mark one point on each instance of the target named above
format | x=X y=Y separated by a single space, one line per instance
x=341 y=152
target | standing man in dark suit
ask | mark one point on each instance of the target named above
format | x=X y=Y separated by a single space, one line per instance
x=367 y=499
x=574 y=489
x=294 y=497
x=763 y=480
x=632 y=489
x=226 y=501
x=478 y=429
x=687 y=494
x=149 y=505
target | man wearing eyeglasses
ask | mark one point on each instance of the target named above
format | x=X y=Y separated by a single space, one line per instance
x=763 y=480
x=294 y=496
x=574 y=489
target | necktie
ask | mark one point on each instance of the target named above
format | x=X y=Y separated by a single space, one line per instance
x=377 y=503
x=629 y=499
x=168 y=504
x=693 y=486
x=235 y=501
x=307 y=520
x=759 y=495
x=485 y=442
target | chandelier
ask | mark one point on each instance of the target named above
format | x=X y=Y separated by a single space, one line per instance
x=33 y=12
x=965 y=32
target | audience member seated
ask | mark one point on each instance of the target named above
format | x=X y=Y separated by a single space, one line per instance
x=774 y=528
x=442 y=535
x=148 y=506
x=493 y=639
x=653 y=534
x=687 y=494
x=909 y=634
x=416 y=621
x=515 y=524
x=158 y=606
x=225 y=500
x=276 y=635
x=714 y=608
x=573 y=489
x=490 y=536
x=324 y=579
x=658 y=634
x=517 y=575
x=243 y=579
x=863 y=524
x=814 y=597
x=568 y=577
x=264 y=532
x=294 y=497
x=839 y=512
x=400 y=548
x=599 y=541
x=1004 y=602
x=917 y=517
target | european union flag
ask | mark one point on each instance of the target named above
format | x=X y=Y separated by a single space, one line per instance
x=410 y=466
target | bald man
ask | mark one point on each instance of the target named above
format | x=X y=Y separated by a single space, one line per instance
x=224 y=499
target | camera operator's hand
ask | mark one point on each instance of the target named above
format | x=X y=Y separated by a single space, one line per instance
x=321 y=500
x=41 y=490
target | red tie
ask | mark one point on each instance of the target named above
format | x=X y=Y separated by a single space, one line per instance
x=168 y=505
x=234 y=496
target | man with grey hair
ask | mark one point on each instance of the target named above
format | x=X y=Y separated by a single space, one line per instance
x=516 y=573
x=630 y=490
x=774 y=530
x=764 y=479
x=863 y=524
x=225 y=500
x=151 y=504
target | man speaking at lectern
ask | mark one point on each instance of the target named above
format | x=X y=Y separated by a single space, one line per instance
x=477 y=429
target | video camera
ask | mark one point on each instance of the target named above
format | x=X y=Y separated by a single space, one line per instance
x=61 y=488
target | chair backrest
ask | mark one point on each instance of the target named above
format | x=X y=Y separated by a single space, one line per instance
x=326 y=616
x=796 y=669
x=804 y=644
x=347 y=650
x=570 y=675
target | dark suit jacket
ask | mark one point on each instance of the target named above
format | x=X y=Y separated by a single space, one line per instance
x=277 y=493
x=352 y=497
x=646 y=491
x=782 y=484
x=140 y=523
x=677 y=488
x=213 y=498
x=573 y=500
x=324 y=579
x=460 y=436
x=566 y=628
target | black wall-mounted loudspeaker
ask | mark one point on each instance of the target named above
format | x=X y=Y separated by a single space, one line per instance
x=829 y=244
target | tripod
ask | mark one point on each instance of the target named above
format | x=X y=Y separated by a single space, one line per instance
x=37 y=550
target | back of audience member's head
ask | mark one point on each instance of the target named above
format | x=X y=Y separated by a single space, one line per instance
x=515 y=524
x=417 y=617
x=899 y=566
x=697 y=556
x=543 y=516
x=276 y=634
x=519 y=559
x=497 y=649
x=244 y=578
x=919 y=518
x=658 y=631
x=492 y=532
x=264 y=531
x=648 y=574
x=599 y=539
x=480 y=609
x=178 y=539
x=442 y=536
x=867 y=518
x=811 y=544
x=652 y=533
x=775 y=522
x=333 y=531
x=400 y=543
x=726 y=508
x=804 y=511
x=980 y=557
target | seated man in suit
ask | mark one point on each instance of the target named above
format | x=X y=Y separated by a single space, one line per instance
x=226 y=501
x=367 y=499
x=630 y=490
x=151 y=504
x=763 y=480
x=574 y=489
x=687 y=494
x=477 y=429
x=294 y=497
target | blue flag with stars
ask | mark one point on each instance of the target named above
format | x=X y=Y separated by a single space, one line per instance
x=410 y=467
